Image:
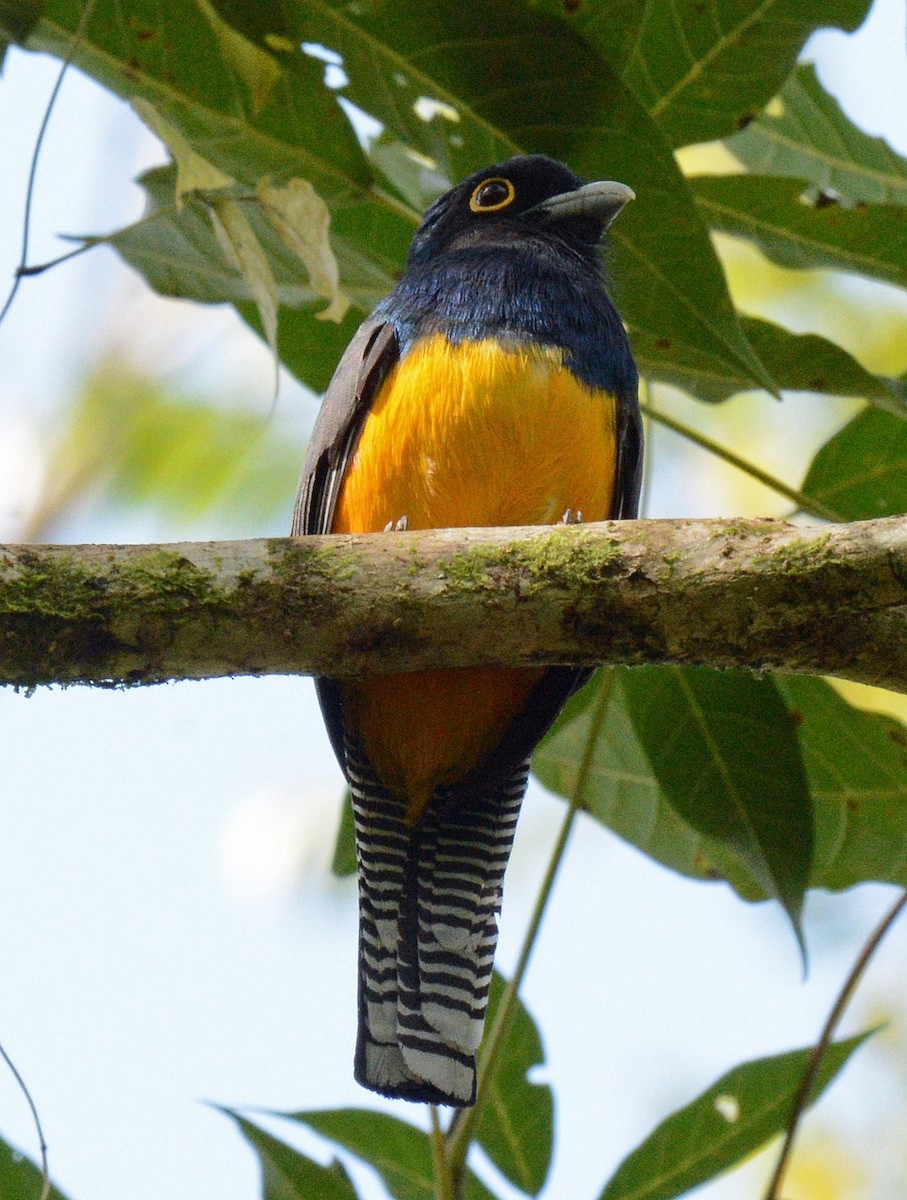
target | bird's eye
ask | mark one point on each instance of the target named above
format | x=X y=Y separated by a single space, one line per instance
x=492 y=195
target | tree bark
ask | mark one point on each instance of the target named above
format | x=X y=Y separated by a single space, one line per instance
x=761 y=595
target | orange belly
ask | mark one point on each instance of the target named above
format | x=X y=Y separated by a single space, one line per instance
x=473 y=434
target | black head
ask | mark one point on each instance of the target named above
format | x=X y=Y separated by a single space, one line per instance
x=530 y=195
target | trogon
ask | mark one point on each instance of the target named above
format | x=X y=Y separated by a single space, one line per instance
x=493 y=386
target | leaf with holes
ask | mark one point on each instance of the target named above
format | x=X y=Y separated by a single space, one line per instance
x=465 y=84
x=794 y=231
x=734 y=1118
x=798 y=362
x=804 y=134
x=461 y=84
x=612 y=30
x=703 y=70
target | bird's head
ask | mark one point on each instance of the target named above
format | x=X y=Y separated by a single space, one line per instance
x=527 y=196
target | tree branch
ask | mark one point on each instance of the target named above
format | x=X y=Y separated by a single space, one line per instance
x=762 y=595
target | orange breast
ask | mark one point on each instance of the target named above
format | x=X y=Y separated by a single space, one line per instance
x=472 y=434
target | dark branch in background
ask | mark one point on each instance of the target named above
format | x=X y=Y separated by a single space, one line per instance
x=828 y=1032
x=757 y=594
x=23 y=269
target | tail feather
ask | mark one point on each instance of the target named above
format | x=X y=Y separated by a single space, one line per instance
x=429 y=897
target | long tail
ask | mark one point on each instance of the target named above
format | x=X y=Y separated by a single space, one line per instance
x=429 y=896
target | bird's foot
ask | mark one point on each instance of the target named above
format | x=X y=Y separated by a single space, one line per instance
x=571 y=518
x=397 y=526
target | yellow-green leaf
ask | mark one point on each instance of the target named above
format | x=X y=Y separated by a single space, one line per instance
x=238 y=238
x=193 y=172
x=302 y=219
x=257 y=69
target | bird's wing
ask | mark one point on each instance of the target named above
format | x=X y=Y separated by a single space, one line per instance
x=365 y=364
x=363 y=368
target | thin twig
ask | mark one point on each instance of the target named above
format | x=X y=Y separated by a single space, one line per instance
x=807 y=504
x=45 y=1173
x=815 y=1059
x=22 y=269
x=459 y=1136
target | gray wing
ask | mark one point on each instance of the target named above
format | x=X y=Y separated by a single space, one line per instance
x=361 y=371
x=629 y=457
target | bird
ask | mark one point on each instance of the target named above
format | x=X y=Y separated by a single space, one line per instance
x=495 y=385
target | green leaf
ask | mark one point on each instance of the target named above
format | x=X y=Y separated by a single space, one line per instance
x=804 y=134
x=703 y=70
x=862 y=471
x=344 y=861
x=19 y=17
x=798 y=362
x=611 y=27
x=857 y=767
x=733 y=1119
x=398 y=1151
x=20 y=1179
x=516 y=1128
x=464 y=84
x=300 y=131
x=287 y=1174
x=869 y=239
x=414 y=176
x=725 y=753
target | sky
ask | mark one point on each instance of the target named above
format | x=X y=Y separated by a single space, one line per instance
x=170 y=935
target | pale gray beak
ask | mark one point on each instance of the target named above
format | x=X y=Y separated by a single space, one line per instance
x=602 y=200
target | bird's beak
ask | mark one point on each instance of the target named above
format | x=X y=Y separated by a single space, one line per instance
x=602 y=200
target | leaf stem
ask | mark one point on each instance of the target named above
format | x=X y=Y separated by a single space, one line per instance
x=459 y=1137
x=815 y=1059
x=444 y=1187
x=45 y=1173
x=807 y=504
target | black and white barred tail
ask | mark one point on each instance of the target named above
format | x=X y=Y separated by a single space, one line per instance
x=429 y=895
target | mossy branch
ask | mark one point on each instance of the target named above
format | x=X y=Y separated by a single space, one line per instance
x=762 y=595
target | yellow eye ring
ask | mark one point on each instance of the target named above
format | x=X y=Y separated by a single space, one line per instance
x=494 y=194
